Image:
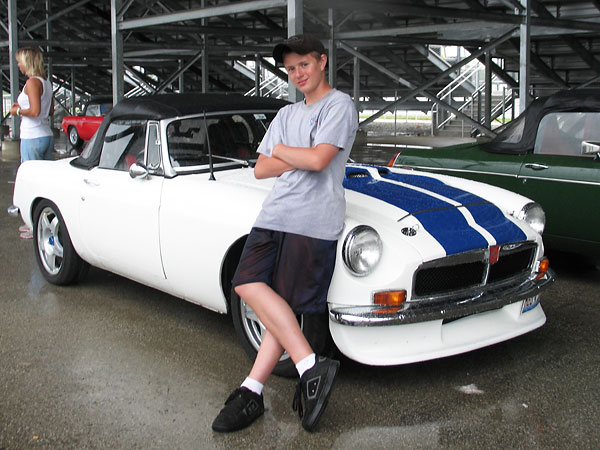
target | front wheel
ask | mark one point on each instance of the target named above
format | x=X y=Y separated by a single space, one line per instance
x=250 y=329
x=74 y=138
x=59 y=262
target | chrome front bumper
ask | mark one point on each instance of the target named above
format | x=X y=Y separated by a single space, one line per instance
x=424 y=311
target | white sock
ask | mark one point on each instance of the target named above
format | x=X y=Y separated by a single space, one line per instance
x=253 y=385
x=306 y=364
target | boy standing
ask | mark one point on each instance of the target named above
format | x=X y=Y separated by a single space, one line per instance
x=288 y=260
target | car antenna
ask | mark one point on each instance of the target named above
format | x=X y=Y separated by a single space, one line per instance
x=210 y=161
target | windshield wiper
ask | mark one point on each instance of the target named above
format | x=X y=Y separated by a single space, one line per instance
x=243 y=162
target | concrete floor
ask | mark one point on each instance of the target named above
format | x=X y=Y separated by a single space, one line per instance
x=111 y=364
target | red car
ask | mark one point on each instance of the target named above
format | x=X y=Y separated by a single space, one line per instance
x=82 y=127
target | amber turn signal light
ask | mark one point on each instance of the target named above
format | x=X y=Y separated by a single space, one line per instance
x=389 y=298
x=543 y=268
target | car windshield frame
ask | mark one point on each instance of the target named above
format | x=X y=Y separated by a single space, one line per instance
x=190 y=138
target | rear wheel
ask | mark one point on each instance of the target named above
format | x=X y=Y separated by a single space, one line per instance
x=250 y=329
x=59 y=262
x=74 y=138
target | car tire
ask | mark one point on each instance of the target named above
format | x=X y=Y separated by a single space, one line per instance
x=73 y=137
x=57 y=259
x=249 y=330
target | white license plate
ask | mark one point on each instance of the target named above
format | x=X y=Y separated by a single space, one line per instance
x=530 y=303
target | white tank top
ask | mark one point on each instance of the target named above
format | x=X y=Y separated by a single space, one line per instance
x=35 y=127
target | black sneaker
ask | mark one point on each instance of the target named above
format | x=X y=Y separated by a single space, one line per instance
x=313 y=390
x=241 y=409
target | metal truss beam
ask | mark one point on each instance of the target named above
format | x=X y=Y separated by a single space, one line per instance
x=274 y=70
x=181 y=70
x=55 y=16
x=200 y=13
x=409 y=10
x=422 y=89
x=416 y=90
x=571 y=41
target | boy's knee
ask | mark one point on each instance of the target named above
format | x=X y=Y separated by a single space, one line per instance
x=242 y=290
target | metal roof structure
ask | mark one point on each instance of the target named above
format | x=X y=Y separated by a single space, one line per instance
x=378 y=49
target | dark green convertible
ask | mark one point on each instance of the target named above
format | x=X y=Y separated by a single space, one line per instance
x=550 y=153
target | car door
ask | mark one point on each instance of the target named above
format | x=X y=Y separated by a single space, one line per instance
x=119 y=214
x=88 y=123
x=563 y=180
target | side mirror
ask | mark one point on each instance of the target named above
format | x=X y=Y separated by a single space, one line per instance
x=138 y=170
x=590 y=147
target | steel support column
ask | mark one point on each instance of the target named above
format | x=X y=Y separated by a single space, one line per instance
x=331 y=58
x=73 y=112
x=116 y=38
x=524 y=56
x=356 y=83
x=204 y=62
x=488 y=90
x=49 y=37
x=13 y=45
x=295 y=25
x=257 y=70
x=181 y=81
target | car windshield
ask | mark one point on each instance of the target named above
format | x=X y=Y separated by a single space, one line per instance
x=98 y=109
x=230 y=137
x=89 y=145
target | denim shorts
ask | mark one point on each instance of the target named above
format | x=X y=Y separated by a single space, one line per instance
x=37 y=148
x=298 y=268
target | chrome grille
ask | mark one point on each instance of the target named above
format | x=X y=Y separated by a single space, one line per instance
x=471 y=273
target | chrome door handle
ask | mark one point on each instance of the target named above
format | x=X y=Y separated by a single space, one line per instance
x=536 y=166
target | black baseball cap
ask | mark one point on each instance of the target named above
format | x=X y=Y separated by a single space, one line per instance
x=301 y=44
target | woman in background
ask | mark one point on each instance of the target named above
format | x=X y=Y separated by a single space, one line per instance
x=34 y=105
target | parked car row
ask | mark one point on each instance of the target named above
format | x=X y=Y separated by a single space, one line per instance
x=550 y=154
x=428 y=265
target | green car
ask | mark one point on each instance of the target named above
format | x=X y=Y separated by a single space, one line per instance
x=550 y=154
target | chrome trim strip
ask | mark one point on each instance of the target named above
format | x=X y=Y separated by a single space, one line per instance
x=487 y=300
x=481 y=172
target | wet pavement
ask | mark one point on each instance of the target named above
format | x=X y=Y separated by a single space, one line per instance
x=111 y=364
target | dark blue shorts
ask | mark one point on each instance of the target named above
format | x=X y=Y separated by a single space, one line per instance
x=298 y=268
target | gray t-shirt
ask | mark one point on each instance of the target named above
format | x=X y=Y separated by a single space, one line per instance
x=306 y=202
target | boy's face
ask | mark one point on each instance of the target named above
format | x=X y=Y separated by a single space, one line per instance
x=306 y=72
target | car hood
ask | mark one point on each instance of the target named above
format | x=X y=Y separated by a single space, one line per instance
x=458 y=220
x=401 y=200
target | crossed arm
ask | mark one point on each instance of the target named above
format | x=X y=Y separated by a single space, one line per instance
x=285 y=158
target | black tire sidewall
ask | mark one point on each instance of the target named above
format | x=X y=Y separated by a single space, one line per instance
x=73 y=267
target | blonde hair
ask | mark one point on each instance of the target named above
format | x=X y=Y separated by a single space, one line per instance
x=32 y=61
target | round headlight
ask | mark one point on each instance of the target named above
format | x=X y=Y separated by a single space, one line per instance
x=534 y=215
x=362 y=250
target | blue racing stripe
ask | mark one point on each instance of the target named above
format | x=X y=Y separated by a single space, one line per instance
x=486 y=214
x=440 y=218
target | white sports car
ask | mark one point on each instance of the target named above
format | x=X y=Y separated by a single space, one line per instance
x=164 y=194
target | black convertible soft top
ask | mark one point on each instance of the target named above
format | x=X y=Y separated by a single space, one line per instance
x=519 y=135
x=163 y=106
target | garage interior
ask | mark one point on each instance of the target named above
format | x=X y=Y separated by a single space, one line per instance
x=441 y=57
x=112 y=364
